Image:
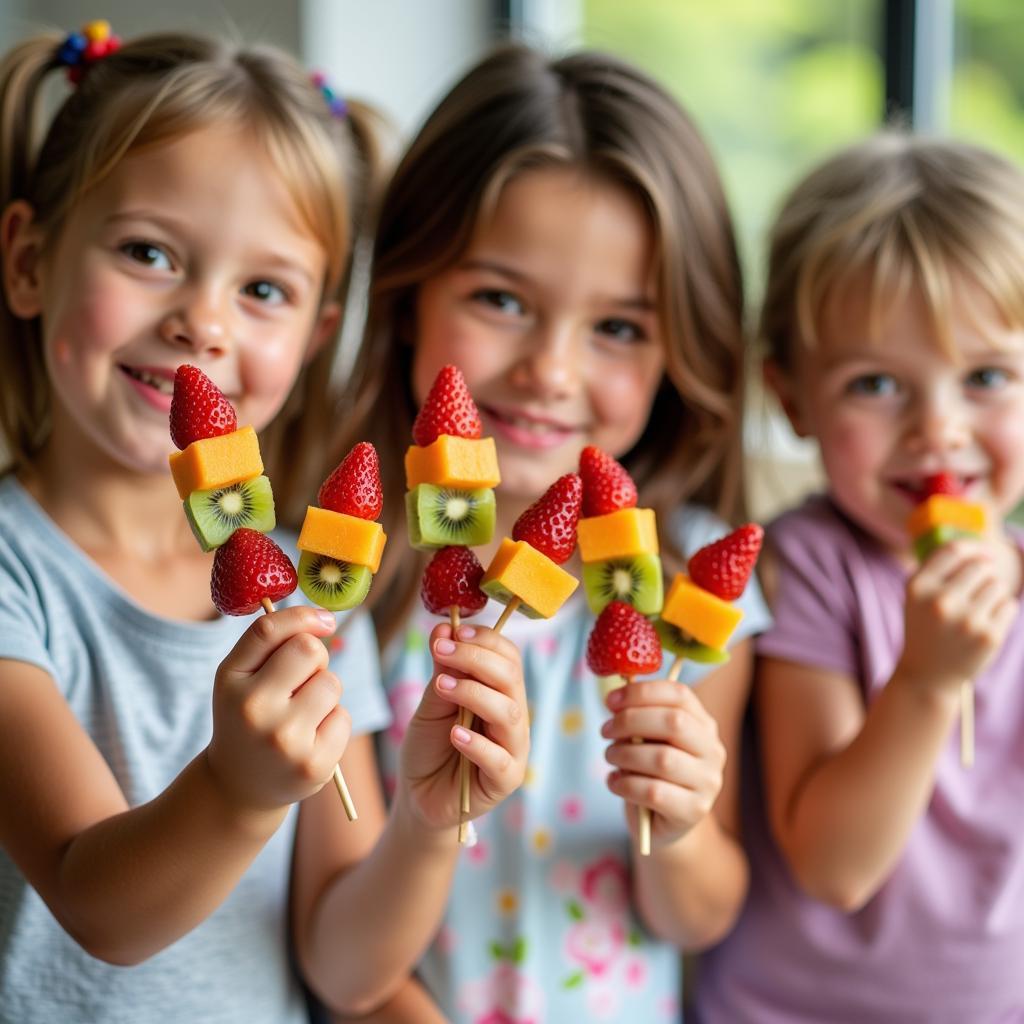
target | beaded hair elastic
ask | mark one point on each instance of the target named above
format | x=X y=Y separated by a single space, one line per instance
x=335 y=103
x=80 y=50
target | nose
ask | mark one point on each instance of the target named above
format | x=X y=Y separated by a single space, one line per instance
x=939 y=424
x=197 y=320
x=551 y=364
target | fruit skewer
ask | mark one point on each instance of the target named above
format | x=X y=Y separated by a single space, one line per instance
x=451 y=471
x=623 y=643
x=942 y=516
x=342 y=545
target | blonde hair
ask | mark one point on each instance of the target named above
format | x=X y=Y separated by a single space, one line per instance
x=515 y=111
x=154 y=89
x=892 y=215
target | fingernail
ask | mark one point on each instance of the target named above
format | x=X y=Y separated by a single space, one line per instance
x=327 y=618
x=461 y=735
x=445 y=682
x=466 y=632
x=444 y=647
x=614 y=698
x=606 y=729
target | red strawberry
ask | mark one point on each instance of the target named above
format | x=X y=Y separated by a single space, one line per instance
x=549 y=524
x=198 y=408
x=623 y=643
x=248 y=568
x=607 y=486
x=354 y=486
x=724 y=567
x=452 y=580
x=449 y=409
x=942 y=483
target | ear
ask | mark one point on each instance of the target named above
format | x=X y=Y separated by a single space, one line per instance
x=21 y=246
x=782 y=384
x=328 y=322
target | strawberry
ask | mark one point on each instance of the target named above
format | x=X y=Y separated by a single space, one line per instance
x=724 y=567
x=354 y=487
x=623 y=643
x=198 y=408
x=449 y=409
x=248 y=568
x=942 y=483
x=452 y=580
x=607 y=486
x=549 y=524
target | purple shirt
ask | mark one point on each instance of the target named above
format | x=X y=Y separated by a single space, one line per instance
x=942 y=941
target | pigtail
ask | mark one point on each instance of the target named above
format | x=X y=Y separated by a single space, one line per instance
x=23 y=396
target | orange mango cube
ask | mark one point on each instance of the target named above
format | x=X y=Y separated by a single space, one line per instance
x=519 y=570
x=216 y=462
x=462 y=462
x=945 y=510
x=621 y=534
x=343 y=537
x=707 y=618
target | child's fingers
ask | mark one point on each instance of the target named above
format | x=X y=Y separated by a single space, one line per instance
x=939 y=569
x=657 y=693
x=486 y=637
x=663 y=761
x=504 y=715
x=472 y=659
x=267 y=694
x=268 y=632
x=676 y=803
x=677 y=726
x=498 y=767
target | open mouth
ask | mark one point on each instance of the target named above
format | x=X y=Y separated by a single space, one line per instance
x=165 y=385
x=916 y=489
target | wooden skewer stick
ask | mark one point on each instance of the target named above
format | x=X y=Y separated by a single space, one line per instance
x=466 y=722
x=643 y=812
x=507 y=614
x=967 y=723
x=677 y=668
x=339 y=780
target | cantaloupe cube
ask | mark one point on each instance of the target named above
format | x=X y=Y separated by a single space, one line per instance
x=704 y=616
x=344 y=537
x=519 y=570
x=216 y=462
x=463 y=462
x=621 y=534
x=945 y=510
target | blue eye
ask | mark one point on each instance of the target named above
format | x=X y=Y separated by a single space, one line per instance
x=502 y=301
x=987 y=378
x=621 y=330
x=875 y=385
x=147 y=254
x=266 y=291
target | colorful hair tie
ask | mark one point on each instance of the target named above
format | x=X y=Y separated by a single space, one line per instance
x=335 y=103
x=80 y=50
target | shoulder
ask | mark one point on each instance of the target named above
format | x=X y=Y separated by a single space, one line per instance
x=814 y=533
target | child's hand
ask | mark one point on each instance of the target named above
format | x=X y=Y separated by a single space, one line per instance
x=481 y=671
x=677 y=770
x=958 y=611
x=278 y=730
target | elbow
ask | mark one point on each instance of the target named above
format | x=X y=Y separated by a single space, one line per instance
x=847 y=894
x=101 y=948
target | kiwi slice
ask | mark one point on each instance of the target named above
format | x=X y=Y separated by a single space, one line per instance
x=332 y=584
x=935 y=538
x=492 y=588
x=440 y=516
x=635 y=579
x=215 y=514
x=680 y=643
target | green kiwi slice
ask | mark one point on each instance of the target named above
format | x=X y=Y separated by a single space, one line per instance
x=935 y=538
x=332 y=584
x=636 y=580
x=680 y=643
x=492 y=588
x=215 y=514
x=440 y=516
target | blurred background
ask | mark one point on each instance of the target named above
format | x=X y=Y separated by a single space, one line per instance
x=774 y=84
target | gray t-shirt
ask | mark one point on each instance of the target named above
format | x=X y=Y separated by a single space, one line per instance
x=141 y=687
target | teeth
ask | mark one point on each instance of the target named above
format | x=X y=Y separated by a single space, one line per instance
x=531 y=426
x=161 y=384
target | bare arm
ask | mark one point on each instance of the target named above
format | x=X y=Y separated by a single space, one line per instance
x=845 y=786
x=690 y=889
x=411 y=1004
x=369 y=896
x=125 y=883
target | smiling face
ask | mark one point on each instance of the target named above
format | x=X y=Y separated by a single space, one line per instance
x=189 y=251
x=890 y=410
x=550 y=315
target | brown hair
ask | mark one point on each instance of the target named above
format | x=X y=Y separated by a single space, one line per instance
x=519 y=110
x=154 y=89
x=895 y=213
